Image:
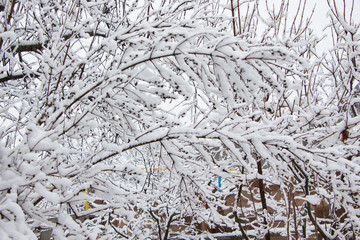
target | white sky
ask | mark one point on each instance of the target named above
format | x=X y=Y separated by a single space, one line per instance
x=320 y=18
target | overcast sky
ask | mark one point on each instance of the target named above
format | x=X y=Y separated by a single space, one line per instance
x=320 y=19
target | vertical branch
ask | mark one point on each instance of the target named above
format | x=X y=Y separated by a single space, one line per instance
x=262 y=195
x=351 y=12
x=294 y=214
x=239 y=17
x=157 y=223
x=237 y=219
x=309 y=212
x=307 y=204
x=293 y=25
x=286 y=11
x=251 y=18
x=168 y=225
x=233 y=17
x=11 y=11
x=8 y=19
x=288 y=214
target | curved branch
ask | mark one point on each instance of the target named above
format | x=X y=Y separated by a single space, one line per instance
x=6 y=78
x=168 y=225
x=33 y=46
x=122 y=235
x=237 y=219
x=157 y=222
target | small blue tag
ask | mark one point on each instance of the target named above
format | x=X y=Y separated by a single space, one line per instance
x=219 y=182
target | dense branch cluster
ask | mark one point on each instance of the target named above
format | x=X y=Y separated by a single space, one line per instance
x=136 y=108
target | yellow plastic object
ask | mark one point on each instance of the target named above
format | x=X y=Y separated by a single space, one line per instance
x=157 y=169
x=86 y=203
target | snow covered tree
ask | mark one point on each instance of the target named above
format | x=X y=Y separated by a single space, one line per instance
x=136 y=108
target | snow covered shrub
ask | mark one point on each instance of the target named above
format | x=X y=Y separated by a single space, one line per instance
x=118 y=117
